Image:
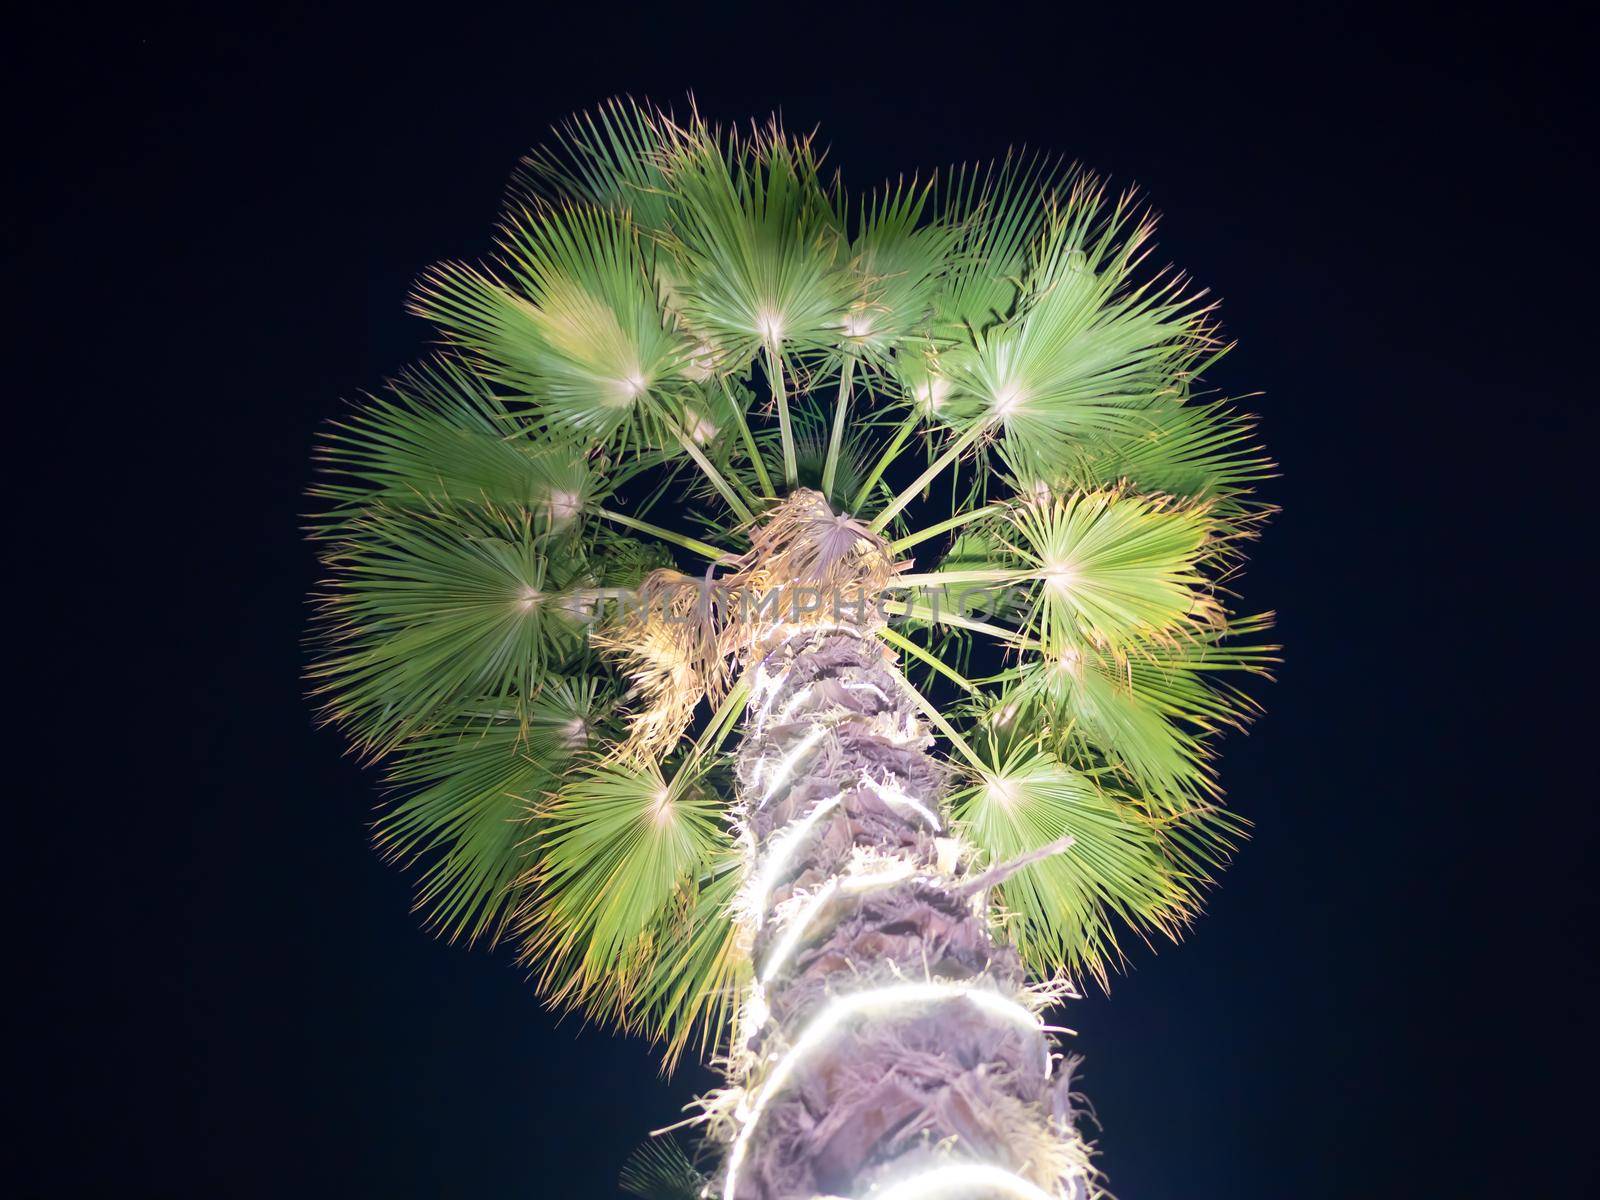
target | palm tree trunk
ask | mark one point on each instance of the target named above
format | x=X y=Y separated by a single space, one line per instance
x=888 y=1038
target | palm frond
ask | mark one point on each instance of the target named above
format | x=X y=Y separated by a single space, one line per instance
x=578 y=330
x=1189 y=679
x=465 y=792
x=431 y=606
x=1148 y=718
x=896 y=263
x=1000 y=209
x=1088 y=348
x=1200 y=452
x=1097 y=716
x=611 y=157
x=621 y=846
x=660 y=1170
x=755 y=245
x=1122 y=867
x=442 y=435
x=1113 y=569
x=667 y=646
x=686 y=990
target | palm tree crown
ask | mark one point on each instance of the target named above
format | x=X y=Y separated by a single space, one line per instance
x=701 y=398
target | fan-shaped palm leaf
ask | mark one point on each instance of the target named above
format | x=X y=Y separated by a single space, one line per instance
x=896 y=263
x=1202 y=452
x=660 y=1170
x=579 y=331
x=1087 y=349
x=999 y=209
x=757 y=244
x=466 y=791
x=1113 y=569
x=619 y=844
x=1119 y=867
x=431 y=606
x=442 y=436
x=612 y=157
x=685 y=991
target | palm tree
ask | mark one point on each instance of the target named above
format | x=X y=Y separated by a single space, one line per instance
x=796 y=621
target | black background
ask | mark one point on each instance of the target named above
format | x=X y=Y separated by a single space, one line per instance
x=219 y=217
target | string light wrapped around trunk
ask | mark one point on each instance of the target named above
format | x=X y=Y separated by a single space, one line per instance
x=861 y=924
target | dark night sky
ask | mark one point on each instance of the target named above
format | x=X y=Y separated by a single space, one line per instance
x=220 y=217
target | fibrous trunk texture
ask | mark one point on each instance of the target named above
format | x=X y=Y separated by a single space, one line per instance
x=889 y=1040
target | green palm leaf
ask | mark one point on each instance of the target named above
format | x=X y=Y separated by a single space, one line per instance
x=465 y=793
x=441 y=436
x=611 y=158
x=999 y=209
x=756 y=245
x=1087 y=348
x=660 y=1170
x=1148 y=717
x=1064 y=909
x=896 y=263
x=578 y=331
x=1185 y=679
x=1113 y=570
x=685 y=990
x=620 y=844
x=1102 y=717
x=1201 y=452
x=429 y=607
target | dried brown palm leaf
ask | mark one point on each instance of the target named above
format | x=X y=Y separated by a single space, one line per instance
x=665 y=640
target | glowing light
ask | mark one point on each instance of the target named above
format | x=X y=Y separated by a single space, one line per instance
x=855 y=685
x=1008 y=399
x=959 y=1178
x=795 y=930
x=839 y=1010
x=754 y=1014
x=949 y=854
x=1060 y=574
x=892 y=794
x=781 y=849
x=701 y=428
x=564 y=506
x=662 y=810
x=931 y=395
x=1003 y=792
x=764 y=690
x=790 y=760
x=857 y=324
x=852 y=885
x=770 y=326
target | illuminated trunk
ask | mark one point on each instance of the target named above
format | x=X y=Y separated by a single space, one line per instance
x=888 y=1036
